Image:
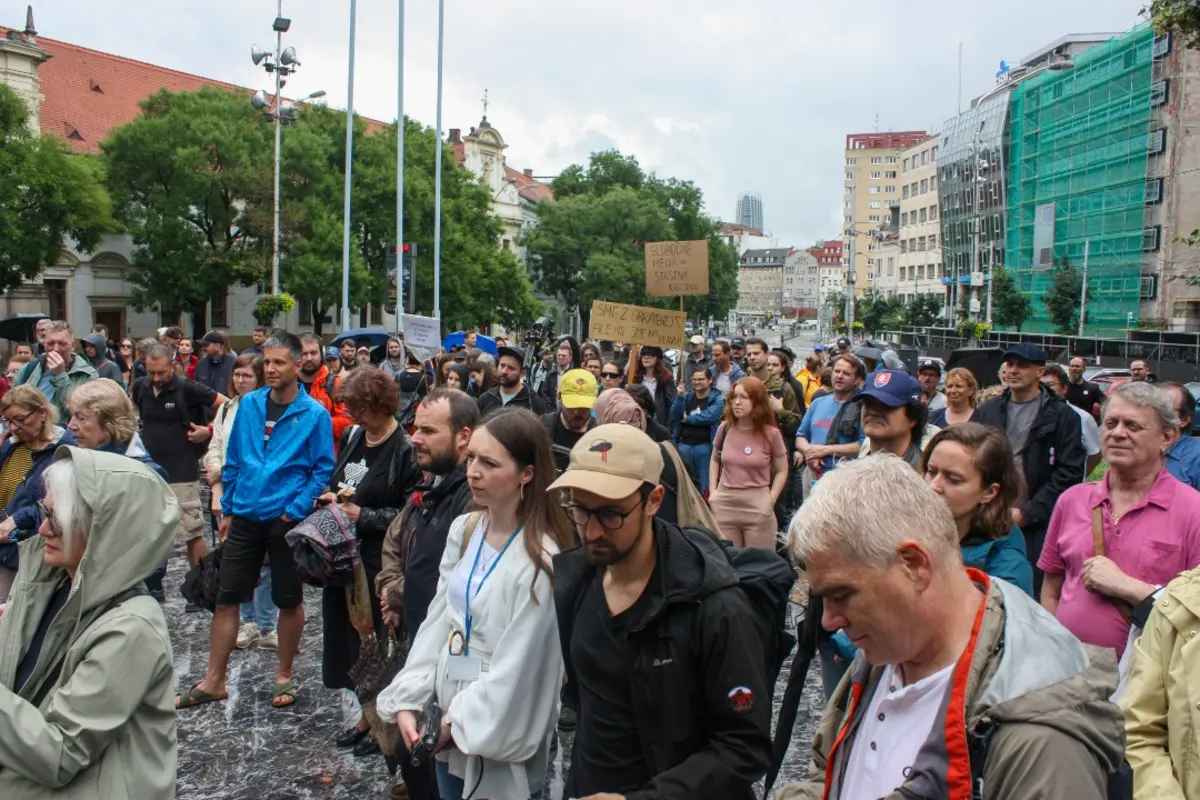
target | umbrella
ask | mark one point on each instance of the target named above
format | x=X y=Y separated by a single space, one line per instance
x=21 y=327
x=378 y=337
x=485 y=343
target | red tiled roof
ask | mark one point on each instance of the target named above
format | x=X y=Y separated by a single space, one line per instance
x=531 y=189
x=89 y=93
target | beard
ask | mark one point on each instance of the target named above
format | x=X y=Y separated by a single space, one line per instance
x=437 y=463
x=308 y=369
x=604 y=553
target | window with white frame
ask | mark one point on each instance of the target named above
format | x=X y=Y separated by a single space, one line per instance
x=876 y=175
x=876 y=160
x=850 y=162
x=874 y=190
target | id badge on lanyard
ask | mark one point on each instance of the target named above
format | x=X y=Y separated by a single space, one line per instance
x=462 y=666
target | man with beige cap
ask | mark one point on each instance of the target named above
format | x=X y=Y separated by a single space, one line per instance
x=666 y=662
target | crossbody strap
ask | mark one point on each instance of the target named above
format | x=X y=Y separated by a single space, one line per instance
x=1098 y=543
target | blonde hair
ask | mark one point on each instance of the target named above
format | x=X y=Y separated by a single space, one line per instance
x=113 y=408
x=967 y=377
x=836 y=518
x=28 y=397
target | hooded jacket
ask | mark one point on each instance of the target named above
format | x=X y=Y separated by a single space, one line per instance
x=693 y=647
x=266 y=480
x=22 y=506
x=1001 y=558
x=322 y=389
x=1162 y=696
x=101 y=363
x=1056 y=734
x=393 y=371
x=1054 y=458
x=78 y=372
x=106 y=725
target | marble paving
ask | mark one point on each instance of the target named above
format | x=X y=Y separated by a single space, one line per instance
x=244 y=749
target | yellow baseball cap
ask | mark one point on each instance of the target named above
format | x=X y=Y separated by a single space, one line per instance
x=577 y=389
x=613 y=461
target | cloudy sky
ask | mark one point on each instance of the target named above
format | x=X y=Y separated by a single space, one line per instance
x=749 y=95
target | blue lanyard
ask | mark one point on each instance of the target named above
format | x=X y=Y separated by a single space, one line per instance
x=486 y=575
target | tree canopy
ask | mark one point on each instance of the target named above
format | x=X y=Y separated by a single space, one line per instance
x=589 y=244
x=47 y=194
x=1010 y=307
x=1180 y=17
x=1062 y=297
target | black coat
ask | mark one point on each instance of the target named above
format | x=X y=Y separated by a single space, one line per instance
x=340 y=648
x=215 y=375
x=490 y=400
x=694 y=646
x=1054 y=455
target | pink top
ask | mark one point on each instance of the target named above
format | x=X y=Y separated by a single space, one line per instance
x=746 y=456
x=1155 y=540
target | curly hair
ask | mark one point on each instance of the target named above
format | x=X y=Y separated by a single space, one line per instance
x=113 y=409
x=369 y=389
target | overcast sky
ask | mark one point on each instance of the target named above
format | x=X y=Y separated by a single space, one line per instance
x=751 y=95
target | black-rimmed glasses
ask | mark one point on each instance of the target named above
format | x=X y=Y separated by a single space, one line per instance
x=52 y=521
x=609 y=518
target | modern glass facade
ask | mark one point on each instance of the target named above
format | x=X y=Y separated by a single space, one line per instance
x=1077 y=157
x=973 y=157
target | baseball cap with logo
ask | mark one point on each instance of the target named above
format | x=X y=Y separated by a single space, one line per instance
x=577 y=389
x=697 y=340
x=612 y=461
x=892 y=387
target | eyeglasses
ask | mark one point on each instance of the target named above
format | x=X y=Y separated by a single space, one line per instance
x=609 y=518
x=18 y=421
x=610 y=374
x=51 y=520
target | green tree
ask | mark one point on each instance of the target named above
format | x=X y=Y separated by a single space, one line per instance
x=189 y=178
x=1062 y=298
x=1011 y=307
x=1180 y=17
x=922 y=311
x=877 y=311
x=46 y=194
x=589 y=244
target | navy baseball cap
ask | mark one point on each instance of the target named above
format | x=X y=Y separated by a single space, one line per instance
x=893 y=387
x=929 y=363
x=843 y=342
x=1026 y=352
x=332 y=352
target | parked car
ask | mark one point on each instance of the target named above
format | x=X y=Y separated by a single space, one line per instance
x=1092 y=373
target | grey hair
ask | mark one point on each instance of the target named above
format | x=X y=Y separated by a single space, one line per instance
x=1146 y=395
x=71 y=511
x=58 y=326
x=282 y=340
x=869 y=533
x=144 y=345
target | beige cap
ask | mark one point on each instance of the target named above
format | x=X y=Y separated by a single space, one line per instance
x=612 y=461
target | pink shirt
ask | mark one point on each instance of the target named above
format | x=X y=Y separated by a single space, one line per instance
x=1155 y=540
x=746 y=456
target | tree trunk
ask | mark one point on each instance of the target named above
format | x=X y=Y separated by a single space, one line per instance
x=318 y=316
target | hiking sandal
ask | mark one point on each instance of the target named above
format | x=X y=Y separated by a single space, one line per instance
x=195 y=696
x=285 y=692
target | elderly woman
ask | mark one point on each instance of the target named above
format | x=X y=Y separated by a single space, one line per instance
x=375 y=472
x=961 y=390
x=33 y=433
x=1112 y=544
x=86 y=676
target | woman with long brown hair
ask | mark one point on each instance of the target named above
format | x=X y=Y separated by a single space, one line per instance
x=488 y=652
x=650 y=371
x=971 y=467
x=749 y=467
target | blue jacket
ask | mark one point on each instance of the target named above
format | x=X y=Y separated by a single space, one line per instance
x=735 y=375
x=266 y=481
x=1003 y=558
x=23 y=505
x=137 y=451
x=710 y=415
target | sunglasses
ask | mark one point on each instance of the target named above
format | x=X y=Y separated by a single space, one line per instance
x=610 y=374
x=51 y=520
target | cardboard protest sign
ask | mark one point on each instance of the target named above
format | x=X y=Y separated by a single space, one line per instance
x=676 y=268
x=637 y=324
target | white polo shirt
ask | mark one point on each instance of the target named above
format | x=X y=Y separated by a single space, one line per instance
x=898 y=721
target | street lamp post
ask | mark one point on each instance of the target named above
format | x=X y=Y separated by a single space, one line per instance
x=349 y=177
x=400 y=176
x=437 y=175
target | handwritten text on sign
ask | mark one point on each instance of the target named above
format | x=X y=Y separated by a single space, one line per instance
x=676 y=268
x=621 y=323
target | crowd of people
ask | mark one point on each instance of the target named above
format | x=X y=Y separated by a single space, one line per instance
x=588 y=540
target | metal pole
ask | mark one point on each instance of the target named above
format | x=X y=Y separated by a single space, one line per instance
x=851 y=278
x=400 y=177
x=278 y=142
x=437 y=175
x=975 y=233
x=1083 y=291
x=349 y=177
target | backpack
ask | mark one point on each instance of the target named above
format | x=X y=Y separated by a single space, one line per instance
x=767 y=580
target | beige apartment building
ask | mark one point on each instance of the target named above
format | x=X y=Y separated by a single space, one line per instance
x=920 y=260
x=871 y=184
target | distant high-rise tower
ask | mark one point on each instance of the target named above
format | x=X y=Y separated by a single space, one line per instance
x=750 y=210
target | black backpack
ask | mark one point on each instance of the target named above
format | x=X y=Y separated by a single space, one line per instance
x=767 y=580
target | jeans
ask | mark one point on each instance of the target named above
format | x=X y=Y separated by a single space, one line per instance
x=452 y=788
x=262 y=610
x=696 y=458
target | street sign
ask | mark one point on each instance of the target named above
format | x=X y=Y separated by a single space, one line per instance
x=676 y=268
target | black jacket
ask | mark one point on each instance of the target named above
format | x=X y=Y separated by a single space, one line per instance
x=525 y=399
x=215 y=375
x=412 y=555
x=1054 y=455
x=403 y=477
x=695 y=647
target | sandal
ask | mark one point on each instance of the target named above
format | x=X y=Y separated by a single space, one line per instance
x=194 y=696
x=286 y=692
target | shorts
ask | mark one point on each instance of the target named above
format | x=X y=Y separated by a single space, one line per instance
x=242 y=555
x=191 y=521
